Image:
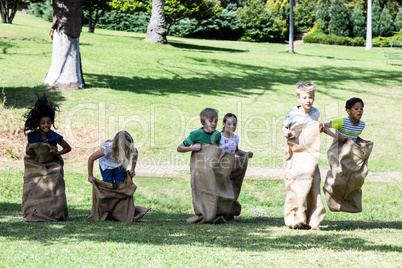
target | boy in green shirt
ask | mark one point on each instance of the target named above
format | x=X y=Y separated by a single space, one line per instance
x=205 y=134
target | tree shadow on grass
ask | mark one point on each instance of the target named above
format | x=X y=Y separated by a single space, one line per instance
x=183 y=45
x=258 y=234
x=24 y=97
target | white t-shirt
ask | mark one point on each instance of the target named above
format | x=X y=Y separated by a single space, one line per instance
x=229 y=144
x=295 y=117
x=108 y=161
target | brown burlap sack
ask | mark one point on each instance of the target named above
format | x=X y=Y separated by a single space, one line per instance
x=236 y=178
x=348 y=169
x=43 y=197
x=212 y=190
x=115 y=203
x=303 y=204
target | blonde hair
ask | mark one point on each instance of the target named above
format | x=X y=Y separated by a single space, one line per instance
x=208 y=113
x=123 y=148
x=305 y=87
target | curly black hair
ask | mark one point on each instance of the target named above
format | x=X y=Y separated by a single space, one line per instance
x=41 y=109
x=352 y=101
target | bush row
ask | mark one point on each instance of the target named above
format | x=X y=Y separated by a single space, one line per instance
x=322 y=38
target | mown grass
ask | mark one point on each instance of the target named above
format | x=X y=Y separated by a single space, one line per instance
x=258 y=238
x=156 y=92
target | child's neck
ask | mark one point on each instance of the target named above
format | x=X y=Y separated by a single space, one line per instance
x=43 y=135
x=227 y=134
x=304 y=111
x=354 y=121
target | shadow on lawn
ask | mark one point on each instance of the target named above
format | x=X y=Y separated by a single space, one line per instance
x=24 y=97
x=170 y=229
x=183 y=45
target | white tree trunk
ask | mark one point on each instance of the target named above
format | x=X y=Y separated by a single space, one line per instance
x=291 y=28
x=369 y=33
x=65 y=71
x=156 y=31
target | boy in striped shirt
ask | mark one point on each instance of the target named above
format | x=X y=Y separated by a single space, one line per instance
x=350 y=127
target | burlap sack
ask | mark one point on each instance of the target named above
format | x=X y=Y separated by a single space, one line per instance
x=115 y=203
x=43 y=197
x=303 y=204
x=212 y=190
x=236 y=178
x=348 y=169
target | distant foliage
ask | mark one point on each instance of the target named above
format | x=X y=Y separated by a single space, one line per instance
x=280 y=9
x=398 y=20
x=304 y=14
x=259 y=23
x=224 y=26
x=42 y=10
x=386 y=24
x=115 y=20
x=322 y=18
x=375 y=18
x=339 y=23
x=322 y=38
x=358 y=22
x=384 y=41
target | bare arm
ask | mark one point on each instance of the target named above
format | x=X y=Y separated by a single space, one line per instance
x=96 y=155
x=327 y=131
x=28 y=151
x=134 y=163
x=194 y=148
x=286 y=132
x=66 y=148
x=242 y=153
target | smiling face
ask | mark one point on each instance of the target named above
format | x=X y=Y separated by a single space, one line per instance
x=306 y=100
x=230 y=125
x=210 y=124
x=44 y=126
x=355 y=112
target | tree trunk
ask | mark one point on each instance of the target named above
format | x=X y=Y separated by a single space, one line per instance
x=157 y=26
x=291 y=28
x=369 y=33
x=90 y=26
x=66 y=70
x=8 y=8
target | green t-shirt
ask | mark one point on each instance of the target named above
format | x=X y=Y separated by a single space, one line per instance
x=200 y=136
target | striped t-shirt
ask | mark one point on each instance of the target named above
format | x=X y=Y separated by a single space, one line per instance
x=345 y=127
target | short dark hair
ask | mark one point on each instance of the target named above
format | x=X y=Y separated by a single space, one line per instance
x=352 y=101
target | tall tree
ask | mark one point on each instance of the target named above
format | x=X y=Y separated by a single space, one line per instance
x=339 y=23
x=322 y=18
x=375 y=18
x=369 y=37
x=157 y=26
x=291 y=28
x=386 y=23
x=93 y=10
x=304 y=14
x=8 y=8
x=358 y=22
x=398 y=20
x=66 y=70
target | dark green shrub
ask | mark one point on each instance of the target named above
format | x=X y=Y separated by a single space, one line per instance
x=304 y=14
x=384 y=41
x=322 y=38
x=322 y=18
x=339 y=23
x=359 y=42
x=375 y=18
x=398 y=20
x=42 y=10
x=386 y=24
x=135 y=22
x=358 y=22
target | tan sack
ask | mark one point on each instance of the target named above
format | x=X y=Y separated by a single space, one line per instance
x=115 y=203
x=212 y=190
x=44 y=197
x=303 y=204
x=348 y=169
x=236 y=178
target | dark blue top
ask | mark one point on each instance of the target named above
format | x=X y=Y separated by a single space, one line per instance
x=52 y=137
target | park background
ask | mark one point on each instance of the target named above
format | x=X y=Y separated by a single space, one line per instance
x=156 y=92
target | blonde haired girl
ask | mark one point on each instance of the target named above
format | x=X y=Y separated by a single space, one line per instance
x=114 y=158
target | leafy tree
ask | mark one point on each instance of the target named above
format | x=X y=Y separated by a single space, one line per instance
x=8 y=8
x=305 y=13
x=375 y=18
x=358 y=22
x=42 y=10
x=94 y=9
x=258 y=23
x=339 y=23
x=398 y=20
x=386 y=24
x=322 y=18
x=281 y=10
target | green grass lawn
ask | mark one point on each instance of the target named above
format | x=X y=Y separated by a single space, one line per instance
x=156 y=92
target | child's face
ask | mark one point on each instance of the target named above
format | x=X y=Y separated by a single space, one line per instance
x=44 y=124
x=306 y=100
x=355 y=112
x=230 y=125
x=210 y=124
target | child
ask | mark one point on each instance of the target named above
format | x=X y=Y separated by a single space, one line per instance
x=210 y=167
x=229 y=140
x=206 y=134
x=114 y=157
x=39 y=121
x=351 y=127
x=348 y=157
x=303 y=205
x=44 y=196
